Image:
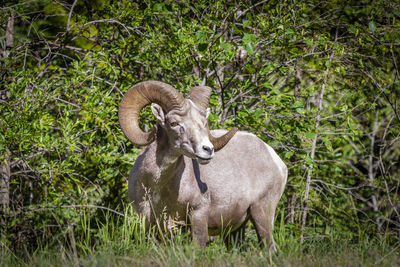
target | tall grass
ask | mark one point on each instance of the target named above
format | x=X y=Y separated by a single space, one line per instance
x=123 y=241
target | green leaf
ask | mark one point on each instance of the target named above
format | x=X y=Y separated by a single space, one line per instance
x=289 y=31
x=225 y=46
x=249 y=48
x=372 y=26
x=258 y=112
x=213 y=117
x=298 y=104
x=309 y=42
x=309 y=135
x=352 y=29
x=309 y=161
x=289 y=154
x=328 y=144
x=158 y=7
x=248 y=38
x=201 y=36
x=328 y=64
x=202 y=47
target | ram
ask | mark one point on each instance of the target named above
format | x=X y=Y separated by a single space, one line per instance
x=211 y=180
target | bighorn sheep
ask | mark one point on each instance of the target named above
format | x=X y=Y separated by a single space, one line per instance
x=242 y=181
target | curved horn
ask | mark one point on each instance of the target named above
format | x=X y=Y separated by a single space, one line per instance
x=220 y=142
x=200 y=95
x=138 y=97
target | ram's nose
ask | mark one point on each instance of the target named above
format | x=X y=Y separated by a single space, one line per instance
x=205 y=153
x=208 y=149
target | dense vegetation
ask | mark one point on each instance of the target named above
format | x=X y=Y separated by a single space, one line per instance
x=317 y=80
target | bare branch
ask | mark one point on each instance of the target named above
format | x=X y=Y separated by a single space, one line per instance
x=109 y=21
x=70 y=14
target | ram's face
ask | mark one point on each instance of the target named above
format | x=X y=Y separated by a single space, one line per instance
x=188 y=133
x=183 y=120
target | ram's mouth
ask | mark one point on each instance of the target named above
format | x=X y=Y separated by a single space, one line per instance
x=202 y=160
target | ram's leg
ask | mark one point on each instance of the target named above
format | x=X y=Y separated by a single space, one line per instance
x=235 y=238
x=151 y=220
x=262 y=215
x=199 y=226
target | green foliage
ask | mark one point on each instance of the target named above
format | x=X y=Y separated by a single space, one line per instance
x=121 y=240
x=318 y=82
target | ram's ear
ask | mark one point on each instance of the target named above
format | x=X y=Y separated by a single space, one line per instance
x=158 y=113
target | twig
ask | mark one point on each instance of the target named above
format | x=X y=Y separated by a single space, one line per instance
x=109 y=21
x=382 y=89
x=70 y=14
x=66 y=102
x=19 y=4
x=340 y=187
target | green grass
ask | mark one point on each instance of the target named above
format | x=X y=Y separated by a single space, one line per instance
x=122 y=241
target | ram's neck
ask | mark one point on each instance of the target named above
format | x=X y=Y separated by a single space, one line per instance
x=168 y=161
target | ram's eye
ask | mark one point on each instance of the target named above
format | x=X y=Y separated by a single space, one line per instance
x=173 y=124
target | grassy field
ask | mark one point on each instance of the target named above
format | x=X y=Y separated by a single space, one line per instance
x=122 y=241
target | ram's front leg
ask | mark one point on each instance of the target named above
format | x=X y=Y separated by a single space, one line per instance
x=199 y=226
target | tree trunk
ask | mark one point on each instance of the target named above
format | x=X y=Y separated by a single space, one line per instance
x=291 y=207
x=314 y=142
x=5 y=171
x=9 y=42
x=5 y=174
x=312 y=154
x=371 y=170
x=9 y=36
x=297 y=83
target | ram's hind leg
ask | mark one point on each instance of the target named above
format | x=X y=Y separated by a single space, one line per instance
x=262 y=216
x=235 y=238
